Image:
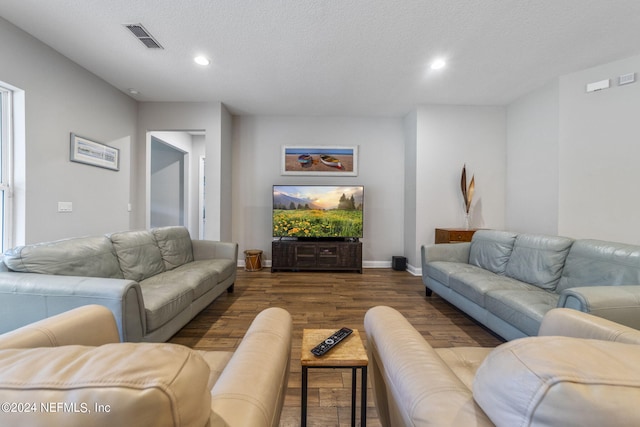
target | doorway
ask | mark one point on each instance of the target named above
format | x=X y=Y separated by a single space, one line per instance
x=175 y=179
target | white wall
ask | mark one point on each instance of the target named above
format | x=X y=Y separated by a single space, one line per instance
x=410 y=191
x=573 y=157
x=599 y=136
x=61 y=98
x=257 y=146
x=447 y=138
x=533 y=162
x=222 y=180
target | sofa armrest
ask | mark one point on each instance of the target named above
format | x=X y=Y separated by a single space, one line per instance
x=209 y=249
x=452 y=252
x=89 y=325
x=411 y=384
x=28 y=297
x=251 y=389
x=620 y=304
x=567 y=322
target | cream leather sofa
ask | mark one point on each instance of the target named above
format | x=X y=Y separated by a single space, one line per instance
x=70 y=370
x=582 y=371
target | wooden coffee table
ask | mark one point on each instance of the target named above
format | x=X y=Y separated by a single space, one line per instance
x=349 y=353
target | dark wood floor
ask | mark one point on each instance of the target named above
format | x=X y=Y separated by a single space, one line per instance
x=328 y=301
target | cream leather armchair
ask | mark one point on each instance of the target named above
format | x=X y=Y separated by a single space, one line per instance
x=71 y=370
x=581 y=370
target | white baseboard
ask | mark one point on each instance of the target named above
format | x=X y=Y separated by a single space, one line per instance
x=376 y=264
x=414 y=270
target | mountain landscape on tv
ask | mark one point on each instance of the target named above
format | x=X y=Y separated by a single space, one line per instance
x=285 y=201
x=318 y=211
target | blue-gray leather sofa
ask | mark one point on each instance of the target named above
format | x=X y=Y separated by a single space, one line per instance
x=154 y=281
x=508 y=281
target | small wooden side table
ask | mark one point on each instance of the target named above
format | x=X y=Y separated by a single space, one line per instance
x=453 y=235
x=349 y=353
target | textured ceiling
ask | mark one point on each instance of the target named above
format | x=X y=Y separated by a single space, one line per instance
x=334 y=57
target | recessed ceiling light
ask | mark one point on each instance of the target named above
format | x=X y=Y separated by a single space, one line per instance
x=438 y=64
x=133 y=91
x=201 y=60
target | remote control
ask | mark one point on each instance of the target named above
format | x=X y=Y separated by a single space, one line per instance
x=331 y=341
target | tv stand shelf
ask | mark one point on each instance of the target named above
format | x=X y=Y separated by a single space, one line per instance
x=296 y=255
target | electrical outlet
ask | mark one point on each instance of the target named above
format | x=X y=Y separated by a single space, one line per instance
x=65 y=207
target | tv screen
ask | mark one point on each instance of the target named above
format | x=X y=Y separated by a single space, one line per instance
x=317 y=211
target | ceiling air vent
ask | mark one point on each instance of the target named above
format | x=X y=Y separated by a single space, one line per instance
x=143 y=35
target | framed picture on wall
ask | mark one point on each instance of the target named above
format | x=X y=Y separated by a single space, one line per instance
x=320 y=160
x=84 y=150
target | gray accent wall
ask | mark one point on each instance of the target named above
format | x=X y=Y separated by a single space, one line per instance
x=60 y=98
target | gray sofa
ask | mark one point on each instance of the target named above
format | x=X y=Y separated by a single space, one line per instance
x=508 y=281
x=154 y=281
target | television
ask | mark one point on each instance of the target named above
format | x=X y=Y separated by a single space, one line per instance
x=318 y=211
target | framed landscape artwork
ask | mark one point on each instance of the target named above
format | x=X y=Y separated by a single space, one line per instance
x=320 y=160
x=93 y=153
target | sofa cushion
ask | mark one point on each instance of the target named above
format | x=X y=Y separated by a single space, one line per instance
x=163 y=300
x=538 y=259
x=83 y=256
x=199 y=276
x=490 y=249
x=523 y=309
x=441 y=271
x=595 y=262
x=175 y=246
x=123 y=384
x=560 y=381
x=225 y=267
x=138 y=254
x=475 y=284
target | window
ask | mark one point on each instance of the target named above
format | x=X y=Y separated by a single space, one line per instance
x=6 y=164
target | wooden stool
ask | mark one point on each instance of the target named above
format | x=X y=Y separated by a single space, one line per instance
x=349 y=354
x=253 y=260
